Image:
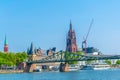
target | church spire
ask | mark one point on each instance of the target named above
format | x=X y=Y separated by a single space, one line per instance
x=70 y=26
x=31 y=49
x=5 y=45
x=71 y=40
x=5 y=42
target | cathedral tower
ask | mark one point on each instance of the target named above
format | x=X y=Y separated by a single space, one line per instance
x=5 y=45
x=71 y=40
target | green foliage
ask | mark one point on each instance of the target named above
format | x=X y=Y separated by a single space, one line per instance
x=70 y=56
x=89 y=61
x=12 y=59
x=118 y=62
x=80 y=53
x=108 y=62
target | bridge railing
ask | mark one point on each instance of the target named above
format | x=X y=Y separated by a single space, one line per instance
x=61 y=57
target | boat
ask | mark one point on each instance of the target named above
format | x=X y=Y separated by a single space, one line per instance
x=37 y=70
x=73 y=68
x=53 y=68
x=87 y=67
x=96 y=67
x=101 y=67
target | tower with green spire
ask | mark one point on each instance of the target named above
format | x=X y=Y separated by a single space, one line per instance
x=5 y=45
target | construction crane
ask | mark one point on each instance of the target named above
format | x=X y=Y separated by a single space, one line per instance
x=84 y=42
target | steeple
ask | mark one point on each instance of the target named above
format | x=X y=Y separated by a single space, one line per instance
x=70 y=26
x=71 y=45
x=5 y=42
x=31 y=49
x=5 y=45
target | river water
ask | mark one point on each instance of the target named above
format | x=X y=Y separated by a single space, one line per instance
x=112 y=74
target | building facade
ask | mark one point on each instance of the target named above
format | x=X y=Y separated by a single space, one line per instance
x=71 y=45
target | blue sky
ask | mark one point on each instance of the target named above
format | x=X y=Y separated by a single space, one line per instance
x=46 y=23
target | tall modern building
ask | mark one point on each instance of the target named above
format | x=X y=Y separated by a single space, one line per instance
x=5 y=45
x=71 y=40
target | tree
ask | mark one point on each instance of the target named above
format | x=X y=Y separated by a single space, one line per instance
x=108 y=62
x=72 y=56
x=89 y=61
x=12 y=59
x=80 y=53
x=118 y=62
x=20 y=57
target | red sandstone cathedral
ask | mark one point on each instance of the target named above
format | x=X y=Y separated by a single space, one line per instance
x=71 y=40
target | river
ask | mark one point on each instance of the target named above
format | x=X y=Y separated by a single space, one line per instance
x=112 y=74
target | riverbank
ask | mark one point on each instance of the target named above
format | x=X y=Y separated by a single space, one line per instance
x=10 y=71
